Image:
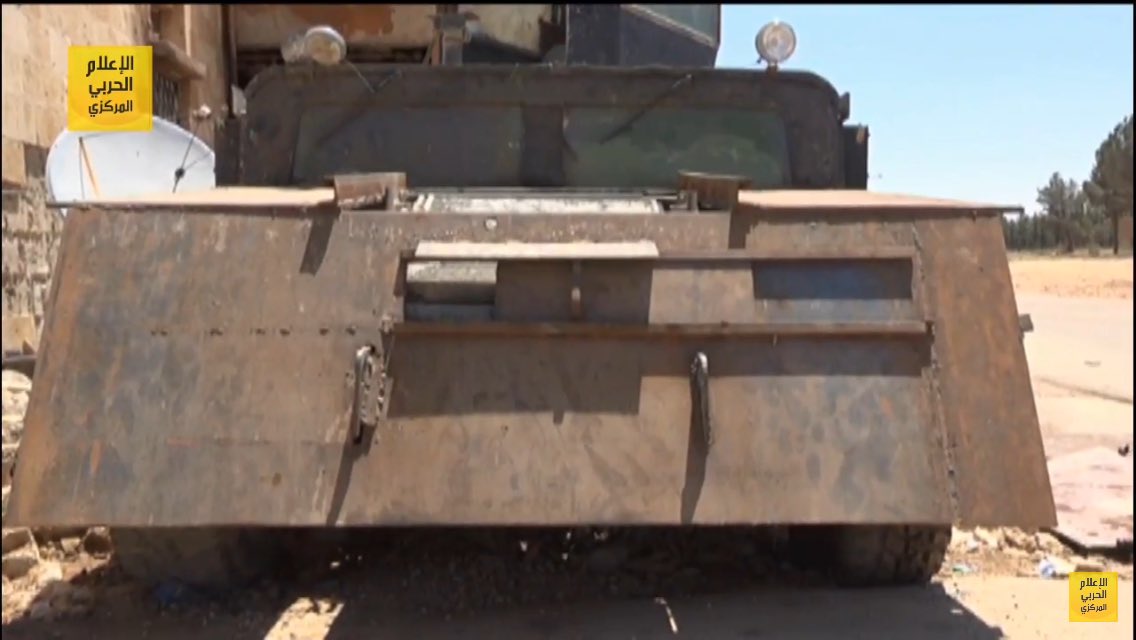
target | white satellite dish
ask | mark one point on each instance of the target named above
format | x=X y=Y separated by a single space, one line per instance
x=85 y=166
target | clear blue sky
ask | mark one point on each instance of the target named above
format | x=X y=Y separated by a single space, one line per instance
x=969 y=102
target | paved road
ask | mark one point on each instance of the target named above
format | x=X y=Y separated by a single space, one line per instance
x=1081 y=343
x=1080 y=358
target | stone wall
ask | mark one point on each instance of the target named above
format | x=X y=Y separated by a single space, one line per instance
x=16 y=389
x=30 y=242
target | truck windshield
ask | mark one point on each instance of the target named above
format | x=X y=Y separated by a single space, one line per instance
x=663 y=141
x=498 y=146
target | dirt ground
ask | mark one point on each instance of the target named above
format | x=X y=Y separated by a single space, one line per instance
x=461 y=588
x=516 y=585
x=1073 y=277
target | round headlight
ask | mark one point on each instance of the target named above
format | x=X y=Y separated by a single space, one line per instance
x=776 y=42
x=324 y=45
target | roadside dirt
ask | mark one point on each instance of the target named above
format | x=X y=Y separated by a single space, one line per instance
x=1075 y=277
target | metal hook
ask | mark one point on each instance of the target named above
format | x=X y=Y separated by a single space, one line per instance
x=700 y=385
x=364 y=374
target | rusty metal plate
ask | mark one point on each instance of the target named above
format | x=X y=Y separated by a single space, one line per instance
x=266 y=26
x=369 y=190
x=197 y=371
x=383 y=26
x=983 y=392
x=1093 y=492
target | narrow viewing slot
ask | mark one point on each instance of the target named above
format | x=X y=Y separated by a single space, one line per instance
x=785 y=291
x=450 y=291
x=834 y=280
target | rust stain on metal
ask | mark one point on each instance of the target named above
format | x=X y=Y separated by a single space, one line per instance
x=96 y=457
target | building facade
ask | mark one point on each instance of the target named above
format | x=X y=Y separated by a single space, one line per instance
x=190 y=71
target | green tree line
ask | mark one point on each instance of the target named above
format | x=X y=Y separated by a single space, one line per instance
x=1085 y=215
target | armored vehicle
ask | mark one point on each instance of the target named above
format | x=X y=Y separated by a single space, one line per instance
x=568 y=274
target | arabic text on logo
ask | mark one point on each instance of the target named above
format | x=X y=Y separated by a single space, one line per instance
x=1092 y=596
x=110 y=88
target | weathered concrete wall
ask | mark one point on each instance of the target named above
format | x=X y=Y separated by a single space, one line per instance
x=205 y=43
x=196 y=30
x=35 y=42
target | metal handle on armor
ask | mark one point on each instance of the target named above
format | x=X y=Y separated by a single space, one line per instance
x=700 y=386
x=363 y=412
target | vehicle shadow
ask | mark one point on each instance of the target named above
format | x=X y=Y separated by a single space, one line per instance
x=920 y=612
x=468 y=584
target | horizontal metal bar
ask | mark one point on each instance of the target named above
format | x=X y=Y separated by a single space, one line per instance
x=789 y=253
x=535 y=250
x=795 y=329
x=725 y=255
